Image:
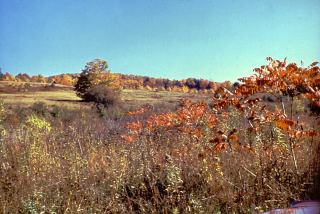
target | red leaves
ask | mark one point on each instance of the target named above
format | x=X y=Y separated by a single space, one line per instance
x=142 y=110
x=129 y=138
x=278 y=77
x=199 y=121
x=191 y=119
x=313 y=64
x=212 y=120
x=233 y=138
x=220 y=147
x=311 y=133
x=219 y=144
x=285 y=124
x=134 y=126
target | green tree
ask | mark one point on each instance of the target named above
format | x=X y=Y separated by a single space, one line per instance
x=97 y=84
x=95 y=73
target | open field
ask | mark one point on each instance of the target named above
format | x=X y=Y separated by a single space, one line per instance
x=252 y=149
x=61 y=97
x=13 y=86
x=135 y=97
x=25 y=94
x=66 y=97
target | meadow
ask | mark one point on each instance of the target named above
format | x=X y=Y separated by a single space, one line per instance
x=13 y=93
x=249 y=149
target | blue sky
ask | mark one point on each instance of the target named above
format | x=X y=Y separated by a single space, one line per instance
x=212 y=39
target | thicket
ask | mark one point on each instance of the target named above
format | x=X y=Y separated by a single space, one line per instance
x=101 y=94
x=194 y=159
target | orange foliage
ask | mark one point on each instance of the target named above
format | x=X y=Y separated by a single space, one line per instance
x=196 y=119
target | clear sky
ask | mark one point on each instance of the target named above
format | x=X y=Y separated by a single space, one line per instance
x=210 y=39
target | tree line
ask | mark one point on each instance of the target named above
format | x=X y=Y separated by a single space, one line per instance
x=126 y=81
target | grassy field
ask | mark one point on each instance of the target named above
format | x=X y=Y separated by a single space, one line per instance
x=137 y=97
x=235 y=154
x=61 y=97
x=26 y=94
x=66 y=97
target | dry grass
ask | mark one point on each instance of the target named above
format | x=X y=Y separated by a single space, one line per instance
x=60 y=97
x=67 y=97
x=74 y=159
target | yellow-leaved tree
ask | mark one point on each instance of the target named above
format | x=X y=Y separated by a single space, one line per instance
x=96 y=76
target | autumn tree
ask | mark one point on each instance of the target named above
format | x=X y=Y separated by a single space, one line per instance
x=7 y=77
x=95 y=74
x=191 y=83
x=66 y=80
x=39 y=78
x=203 y=84
x=23 y=77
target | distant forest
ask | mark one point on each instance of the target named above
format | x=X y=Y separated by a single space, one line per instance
x=127 y=82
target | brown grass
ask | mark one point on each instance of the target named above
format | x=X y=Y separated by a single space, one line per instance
x=77 y=162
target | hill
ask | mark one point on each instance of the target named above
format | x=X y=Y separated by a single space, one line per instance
x=249 y=149
x=126 y=82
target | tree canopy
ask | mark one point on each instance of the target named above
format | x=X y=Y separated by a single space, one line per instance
x=95 y=73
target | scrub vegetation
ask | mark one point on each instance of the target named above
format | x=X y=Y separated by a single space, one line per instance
x=245 y=148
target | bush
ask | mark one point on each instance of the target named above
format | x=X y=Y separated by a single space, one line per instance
x=315 y=107
x=100 y=94
x=114 y=113
x=63 y=114
x=40 y=108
